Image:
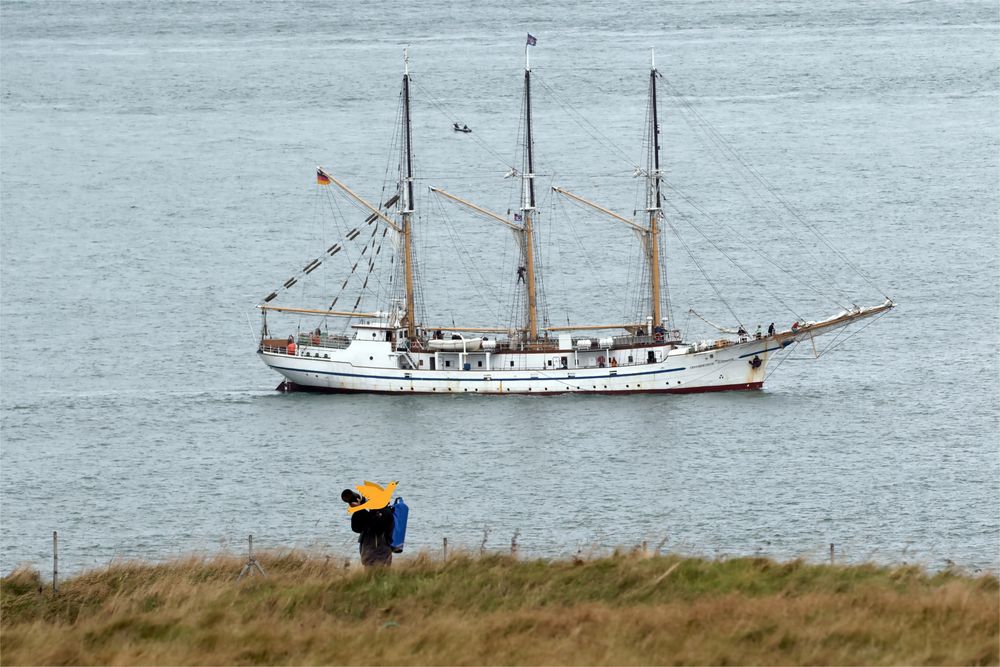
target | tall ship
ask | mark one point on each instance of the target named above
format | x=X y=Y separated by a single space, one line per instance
x=393 y=349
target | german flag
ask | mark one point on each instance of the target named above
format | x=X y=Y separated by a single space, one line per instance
x=322 y=178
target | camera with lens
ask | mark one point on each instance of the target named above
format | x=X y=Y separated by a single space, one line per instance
x=351 y=496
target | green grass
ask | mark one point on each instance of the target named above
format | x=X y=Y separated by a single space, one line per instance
x=624 y=609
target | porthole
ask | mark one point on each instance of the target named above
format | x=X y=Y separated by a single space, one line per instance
x=371 y=358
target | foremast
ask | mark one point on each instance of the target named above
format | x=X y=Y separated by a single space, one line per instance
x=406 y=204
x=654 y=208
x=528 y=206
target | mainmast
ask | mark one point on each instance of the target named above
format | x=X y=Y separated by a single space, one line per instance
x=653 y=199
x=528 y=203
x=406 y=211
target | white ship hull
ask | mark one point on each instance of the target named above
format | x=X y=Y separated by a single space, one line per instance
x=375 y=367
x=362 y=365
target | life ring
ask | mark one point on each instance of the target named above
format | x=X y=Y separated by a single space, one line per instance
x=658 y=337
x=755 y=362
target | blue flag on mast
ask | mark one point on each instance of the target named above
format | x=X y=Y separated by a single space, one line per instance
x=531 y=40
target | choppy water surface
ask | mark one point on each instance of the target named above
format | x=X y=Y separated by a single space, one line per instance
x=156 y=184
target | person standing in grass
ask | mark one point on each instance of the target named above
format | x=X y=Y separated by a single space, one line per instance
x=375 y=531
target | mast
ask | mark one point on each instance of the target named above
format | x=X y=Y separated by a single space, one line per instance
x=406 y=211
x=653 y=200
x=528 y=203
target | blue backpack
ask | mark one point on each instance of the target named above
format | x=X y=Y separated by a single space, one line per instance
x=400 y=513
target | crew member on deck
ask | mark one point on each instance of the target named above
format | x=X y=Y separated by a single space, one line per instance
x=291 y=345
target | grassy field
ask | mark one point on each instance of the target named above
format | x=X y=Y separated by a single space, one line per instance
x=624 y=609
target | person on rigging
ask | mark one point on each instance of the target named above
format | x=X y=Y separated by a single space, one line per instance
x=520 y=274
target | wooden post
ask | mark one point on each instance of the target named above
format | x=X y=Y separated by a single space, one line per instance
x=55 y=562
x=831 y=553
x=444 y=549
x=513 y=543
x=251 y=563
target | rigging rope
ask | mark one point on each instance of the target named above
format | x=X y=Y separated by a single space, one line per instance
x=727 y=148
x=726 y=255
x=703 y=273
x=585 y=124
x=440 y=108
x=832 y=347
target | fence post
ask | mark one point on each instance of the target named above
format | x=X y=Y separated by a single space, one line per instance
x=513 y=543
x=831 y=553
x=444 y=549
x=251 y=561
x=55 y=562
x=482 y=547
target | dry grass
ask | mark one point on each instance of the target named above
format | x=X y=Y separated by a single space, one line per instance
x=620 y=610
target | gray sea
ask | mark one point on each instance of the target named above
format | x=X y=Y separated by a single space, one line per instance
x=157 y=169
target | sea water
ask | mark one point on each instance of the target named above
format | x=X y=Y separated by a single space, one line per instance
x=157 y=181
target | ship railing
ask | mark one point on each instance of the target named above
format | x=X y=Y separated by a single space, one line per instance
x=334 y=341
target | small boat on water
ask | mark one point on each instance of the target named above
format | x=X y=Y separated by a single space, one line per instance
x=394 y=349
x=463 y=128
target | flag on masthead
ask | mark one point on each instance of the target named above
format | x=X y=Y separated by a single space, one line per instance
x=531 y=40
x=322 y=178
